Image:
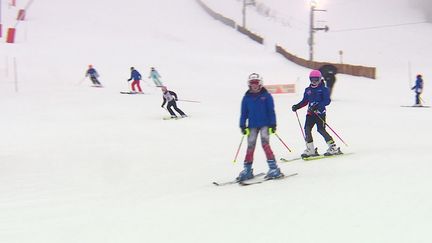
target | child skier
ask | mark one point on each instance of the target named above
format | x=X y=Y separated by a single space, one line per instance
x=171 y=98
x=418 y=88
x=318 y=97
x=257 y=109
x=93 y=75
x=136 y=76
x=154 y=74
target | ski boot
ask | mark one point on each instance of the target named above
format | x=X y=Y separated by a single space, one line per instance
x=274 y=172
x=310 y=151
x=246 y=174
x=332 y=149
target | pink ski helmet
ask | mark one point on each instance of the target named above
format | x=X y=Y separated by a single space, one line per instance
x=315 y=78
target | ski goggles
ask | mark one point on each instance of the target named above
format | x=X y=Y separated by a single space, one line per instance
x=315 y=80
x=254 y=81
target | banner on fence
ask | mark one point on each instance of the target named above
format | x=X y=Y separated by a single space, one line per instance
x=280 y=88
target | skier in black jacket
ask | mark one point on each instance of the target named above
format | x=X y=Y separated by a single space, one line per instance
x=171 y=98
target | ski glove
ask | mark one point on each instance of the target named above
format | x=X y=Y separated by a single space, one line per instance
x=295 y=107
x=245 y=130
x=272 y=129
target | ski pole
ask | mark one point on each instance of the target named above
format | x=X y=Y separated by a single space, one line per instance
x=301 y=127
x=238 y=150
x=194 y=101
x=409 y=74
x=282 y=142
x=145 y=81
x=325 y=123
x=81 y=81
x=422 y=100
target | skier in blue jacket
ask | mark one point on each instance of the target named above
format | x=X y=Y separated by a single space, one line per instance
x=136 y=76
x=93 y=75
x=318 y=97
x=418 y=88
x=258 y=117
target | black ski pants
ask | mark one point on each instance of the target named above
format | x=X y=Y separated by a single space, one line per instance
x=95 y=80
x=311 y=120
x=173 y=104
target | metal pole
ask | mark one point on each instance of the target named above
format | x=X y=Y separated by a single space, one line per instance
x=313 y=29
x=1 y=25
x=311 y=32
x=301 y=127
x=28 y=4
x=7 y=66
x=16 y=74
x=409 y=74
x=244 y=14
x=193 y=101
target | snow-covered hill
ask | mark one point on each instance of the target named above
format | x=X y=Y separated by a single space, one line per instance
x=79 y=164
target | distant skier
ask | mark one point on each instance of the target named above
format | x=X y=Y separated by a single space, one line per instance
x=155 y=76
x=318 y=97
x=418 y=88
x=136 y=76
x=93 y=75
x=170 y=98
x=258 y=117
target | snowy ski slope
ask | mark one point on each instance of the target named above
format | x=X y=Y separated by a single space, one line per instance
x=79 y=164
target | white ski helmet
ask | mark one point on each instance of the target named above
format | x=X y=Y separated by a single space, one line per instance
x=255 y=78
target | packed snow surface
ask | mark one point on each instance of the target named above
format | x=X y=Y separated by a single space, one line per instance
x=91 y=165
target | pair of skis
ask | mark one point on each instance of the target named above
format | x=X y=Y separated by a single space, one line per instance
x=316 y=157
x=257 y=179
x=173 y=118
x=416 y=106
x=131 y=92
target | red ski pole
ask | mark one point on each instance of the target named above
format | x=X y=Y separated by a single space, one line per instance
x=282 y=142
x=331 y=129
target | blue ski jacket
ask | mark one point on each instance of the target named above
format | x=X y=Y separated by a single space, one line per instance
x=319 y=96
x=135 y=75
x=418 y=87
x=92 y=72
x=257 y=109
